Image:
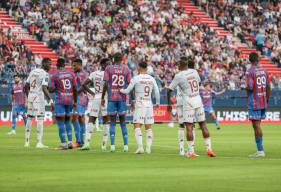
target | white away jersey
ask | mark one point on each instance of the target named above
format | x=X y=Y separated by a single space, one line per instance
x=37 y=78
x=98 y=83
x=188 y=82
x=144 y=84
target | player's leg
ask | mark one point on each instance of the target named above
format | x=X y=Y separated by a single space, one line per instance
x=77 y=128
x=60 y=114
x=180 y=129
x=28 y=130
x=15 y=113
x=106 y=125
x=122 y=110
x=255 y=116
x=81 y=119
x=138 y=120
x=213 y=114
x=40 y=125
x=23 y=114
x=112 y=112
x=67 y=122
x=89 y=132
x=200 y=117
x=189 y=137
x=149 y=120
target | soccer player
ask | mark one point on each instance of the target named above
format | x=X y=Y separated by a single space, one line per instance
x=117 y=76
x=258 y=93
x=78 y=118
x=35 y=88
x=143 y=86
x=18 y=103
x=188 y=81
x=64 y=84
x=96 y=79
x=207 y=97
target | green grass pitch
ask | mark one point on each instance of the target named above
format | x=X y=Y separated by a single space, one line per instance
x=49 y=170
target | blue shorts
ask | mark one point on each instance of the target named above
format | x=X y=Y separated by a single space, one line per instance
x=18 y=109
x=209 y=109
x=80 y=111
x=117 y=107
x=63 y=110
x=256 y=114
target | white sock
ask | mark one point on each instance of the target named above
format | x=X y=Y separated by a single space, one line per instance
x=105 y=134
x=40 y=122
x=207 y=142
x=190 y=146
x=181 y=137
x=149 y=137
x=28 y=129
x=86 y=119
x=89 y=132
x=138 y=136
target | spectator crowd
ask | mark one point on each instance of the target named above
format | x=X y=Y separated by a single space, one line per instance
x=158 y=32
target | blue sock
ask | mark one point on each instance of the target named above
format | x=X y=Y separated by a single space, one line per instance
x=68 y=129
x=61 y=131
x=124 y=133
x=82 y=132
x=112 y=133
x=14 y=121
x=259 y=143
x=77 y=131
x=216 y=122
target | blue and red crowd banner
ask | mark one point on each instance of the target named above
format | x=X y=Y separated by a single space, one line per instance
x=225 y=115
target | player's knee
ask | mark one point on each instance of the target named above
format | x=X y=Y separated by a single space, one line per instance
x=122 y=119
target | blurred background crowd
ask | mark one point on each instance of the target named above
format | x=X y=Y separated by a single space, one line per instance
x=158 y=32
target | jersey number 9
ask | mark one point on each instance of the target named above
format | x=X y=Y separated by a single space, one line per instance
x=66 y=83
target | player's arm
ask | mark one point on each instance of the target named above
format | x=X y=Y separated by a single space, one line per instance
x=52 y=86
x=218 y=92
x=268 y=89
x=86 y=87
x=105 y=87
x=26 y=88
x=156 y=92
x=172 y=86
x=129 y=88
x=249 y=82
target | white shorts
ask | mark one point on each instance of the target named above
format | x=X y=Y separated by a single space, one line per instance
x=143 y=115
x=194 y=115
x=180 y=114
x=96 y=109
x=36 y=108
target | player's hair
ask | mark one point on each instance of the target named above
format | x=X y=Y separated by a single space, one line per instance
x=254 y=58
x=117 y=57
x=182 y=61
x=60 y=62
x=206 y=84
x=190 y=64
x=143 y=65
x=79 y=61
x=46 y=60
x=16 y=75
x=103 y=61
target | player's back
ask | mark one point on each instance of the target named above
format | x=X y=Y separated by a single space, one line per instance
x=144 y=85
x=257 y=81
x=18 y=94
x=188 y=82
x=37 y=78
x=98 y=83
x=118 y=77
x=64 y=82
x=81 y=77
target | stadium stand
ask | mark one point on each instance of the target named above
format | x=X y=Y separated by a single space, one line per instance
x=156 y=31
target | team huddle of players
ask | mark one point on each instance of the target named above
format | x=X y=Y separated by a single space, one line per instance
x=82 y=99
